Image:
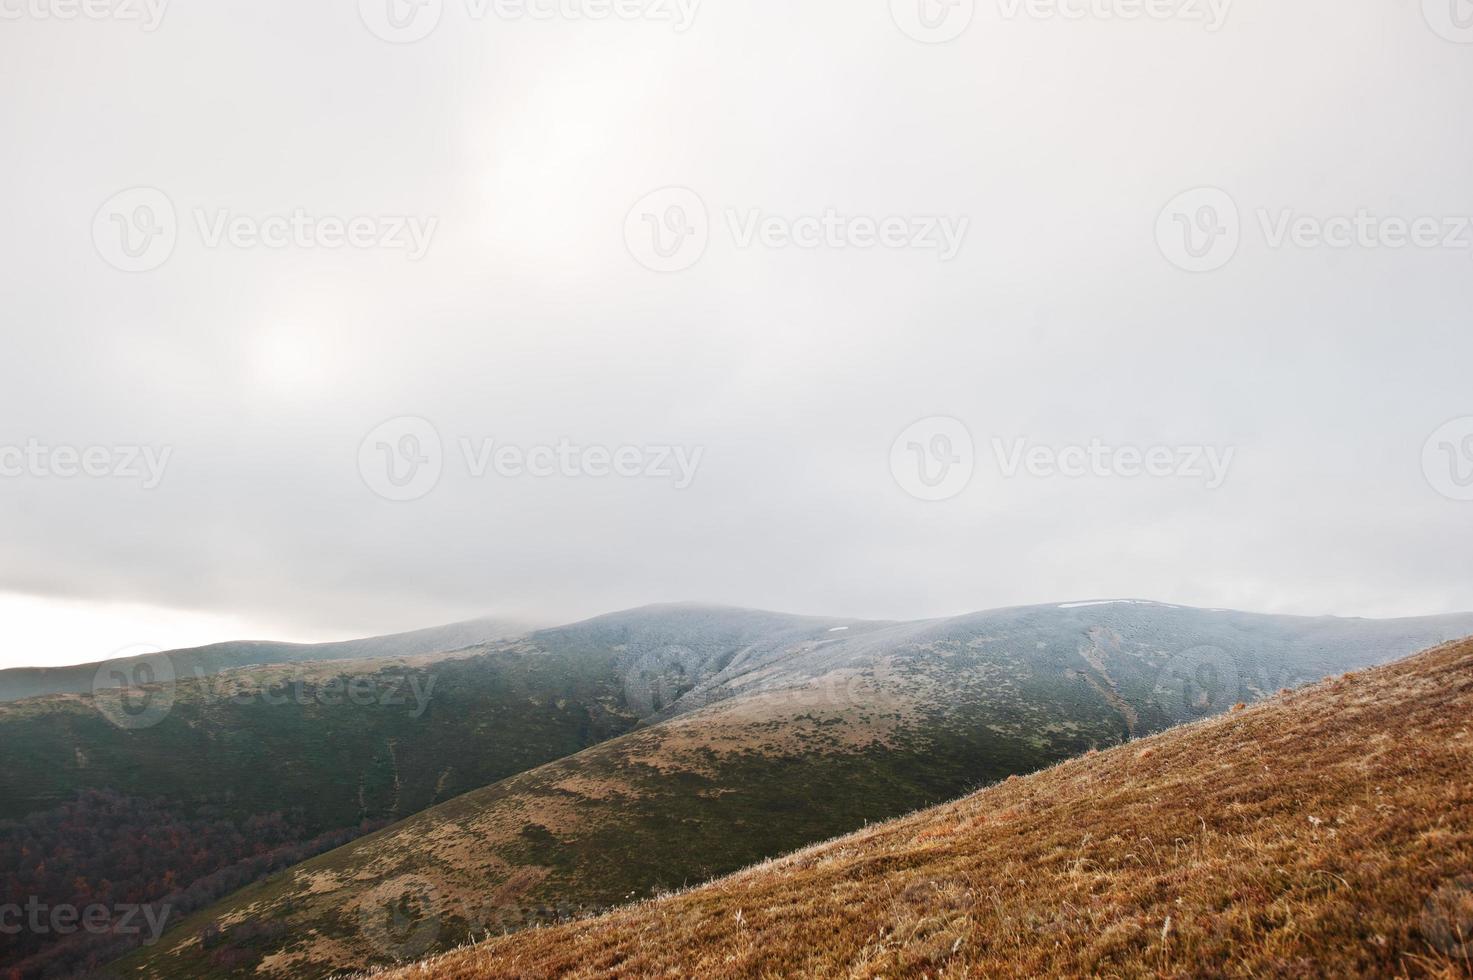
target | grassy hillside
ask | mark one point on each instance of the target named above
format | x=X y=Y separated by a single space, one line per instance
x=410 y=734
x=29 y=682
x=783 y=744
x=371 y=739
x=1328 y=832
x=253 y=770
x=177 y=793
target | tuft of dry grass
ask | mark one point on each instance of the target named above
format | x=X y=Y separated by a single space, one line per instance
x=1328 y=832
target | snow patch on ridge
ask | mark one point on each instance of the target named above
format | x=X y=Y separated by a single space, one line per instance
x=1115 y=602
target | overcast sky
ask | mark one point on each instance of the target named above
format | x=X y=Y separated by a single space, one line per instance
x=1000 y=244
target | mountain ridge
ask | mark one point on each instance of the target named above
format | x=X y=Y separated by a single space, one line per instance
x=764 y=745
x=1323 y=832
x=20 y=683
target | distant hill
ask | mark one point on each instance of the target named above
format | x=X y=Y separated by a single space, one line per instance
x=1328 y=832
x=28 y=682
x=764 y=734
x=250 y=769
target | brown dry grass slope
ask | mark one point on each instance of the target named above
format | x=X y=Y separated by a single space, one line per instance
x=1327 y=832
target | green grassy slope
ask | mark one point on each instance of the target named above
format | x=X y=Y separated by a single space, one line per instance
x=402 y=738
x=17 y=683
x=1326 y=833
x=783 y=745
x=337 y=747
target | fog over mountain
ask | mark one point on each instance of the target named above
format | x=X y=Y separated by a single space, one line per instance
x=661 y=746
x=477 y=466
x=526 y=313
x=124 y=670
